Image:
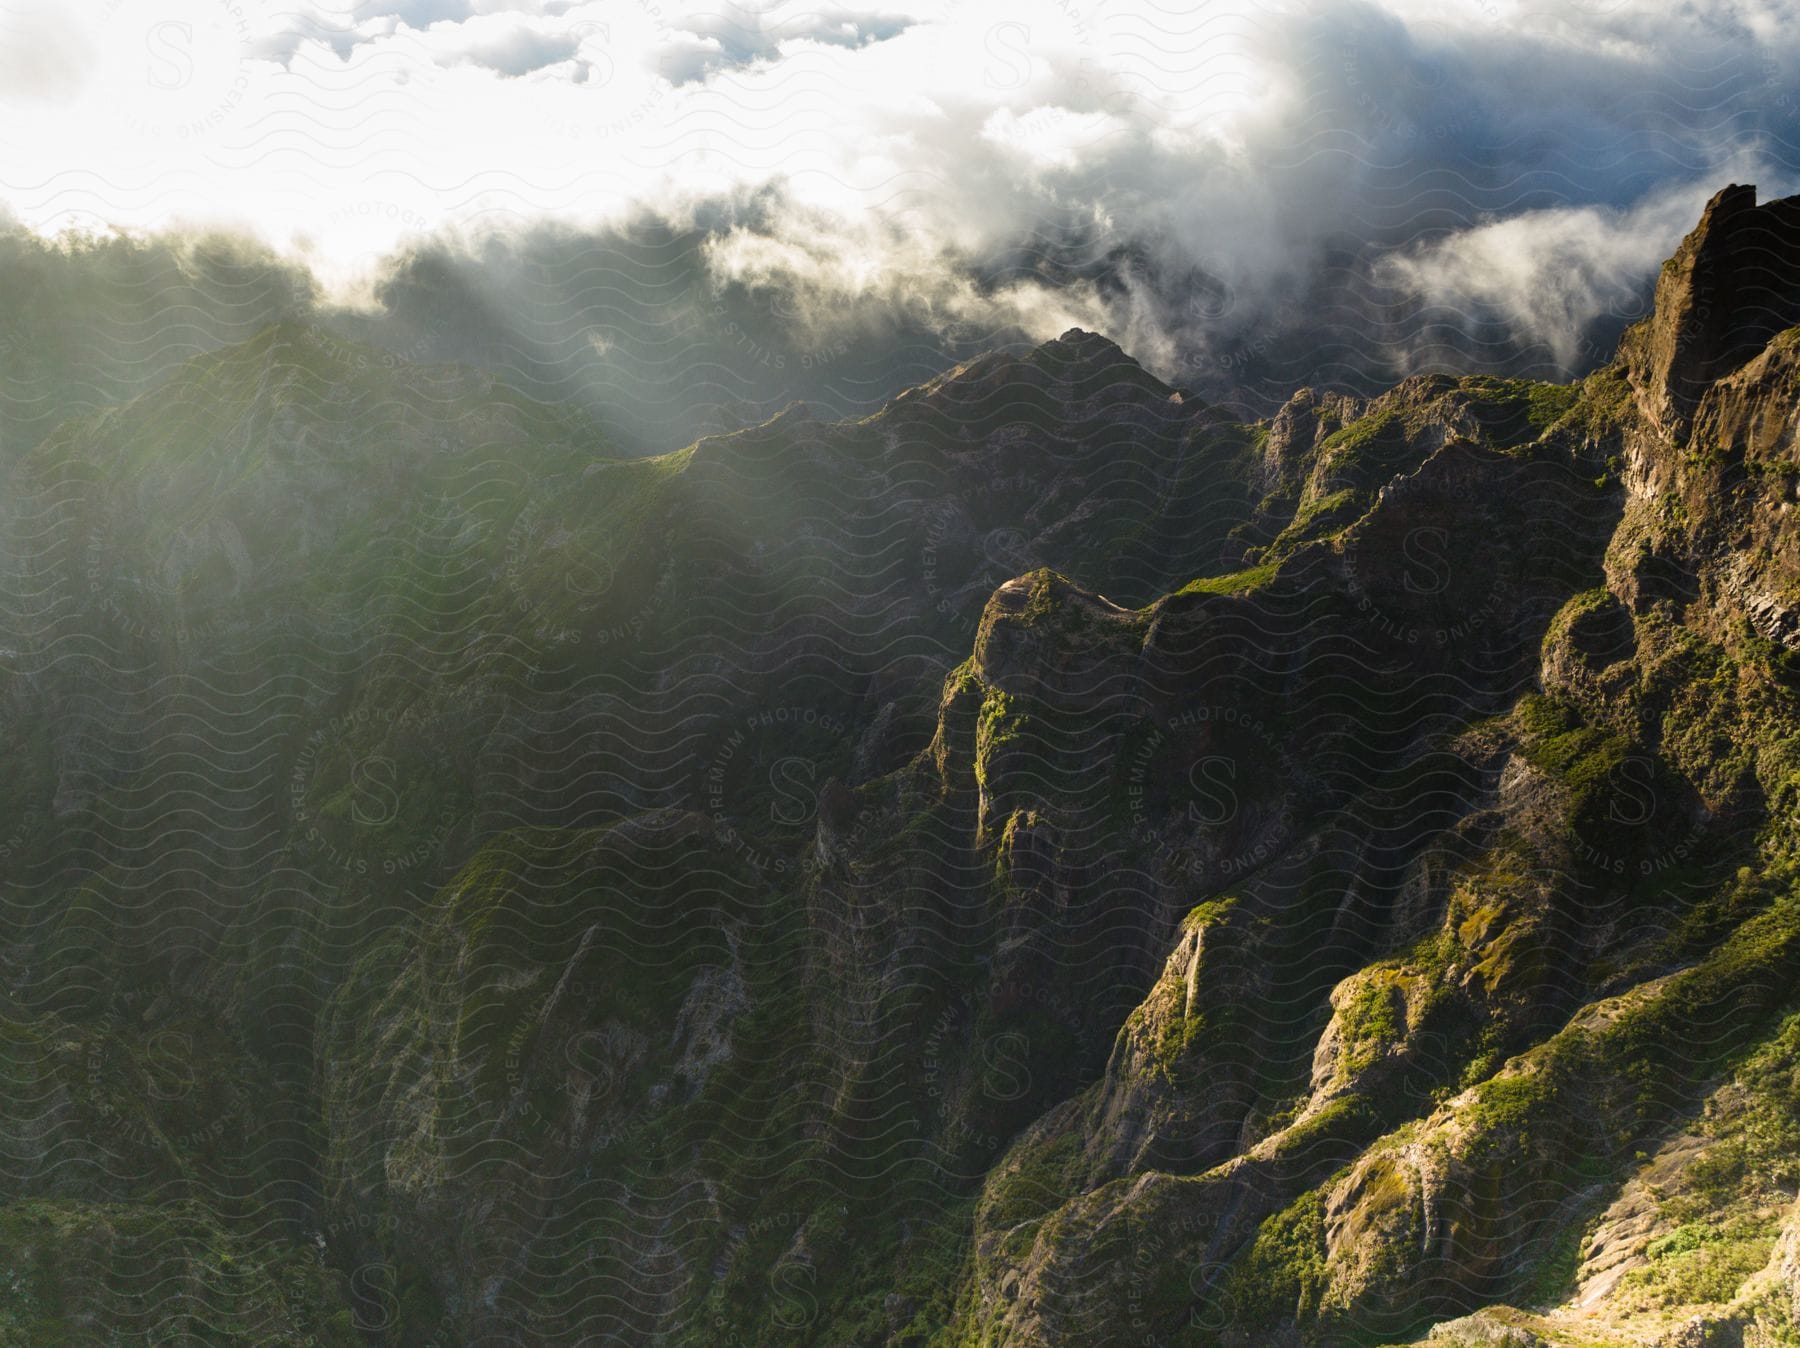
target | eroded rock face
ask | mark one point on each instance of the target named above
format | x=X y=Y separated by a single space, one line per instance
x=1731 y=286
x=1475 y=1094
x=1309 y=954
x=1074 y=658
x=1478 y=1331
x=1708 y=445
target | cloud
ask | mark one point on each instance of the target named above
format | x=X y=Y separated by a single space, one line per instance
x=1248 y=197
x=510 y=44
x=1553 y=273
x=416 y=13
x=94 y=320
x=729 y=35
x=46 y=53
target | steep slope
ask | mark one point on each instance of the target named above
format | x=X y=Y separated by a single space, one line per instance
x=296 y=640
x=1040 y=865
x=1554 y=1060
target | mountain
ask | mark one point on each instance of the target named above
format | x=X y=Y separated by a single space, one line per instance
x=1042 y=864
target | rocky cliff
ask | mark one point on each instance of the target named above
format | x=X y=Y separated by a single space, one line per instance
x=1039 y=865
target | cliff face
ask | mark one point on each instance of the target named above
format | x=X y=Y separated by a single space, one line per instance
x=328 y=682
x=1732 y=285
x=1040 y=865
x=1563 y=973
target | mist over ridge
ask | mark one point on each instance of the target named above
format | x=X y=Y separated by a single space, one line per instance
x=900 y=673
x=722 y=203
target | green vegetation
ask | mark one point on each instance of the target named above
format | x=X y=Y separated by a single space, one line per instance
x=1358 y=435
x=1238 y=582
x=585 y=897
x=1550 y=403
x=1605 y=404
x=1700 y=1263
x=1592 y=765
x=1002 y=722
x=1324 y=507
x=1514 y=412
x=164 y=1274
x=1283 y=1276
x=1033 y=1184
x=1372 y=1020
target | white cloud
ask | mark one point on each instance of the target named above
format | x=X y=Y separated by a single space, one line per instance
x=46 y=53
x=1552 y=272
x=1247 y=146
x=511 y=44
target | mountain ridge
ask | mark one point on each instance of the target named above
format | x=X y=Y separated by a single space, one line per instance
x=779 y=891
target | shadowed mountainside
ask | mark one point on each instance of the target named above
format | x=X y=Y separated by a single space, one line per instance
x=1041 y=864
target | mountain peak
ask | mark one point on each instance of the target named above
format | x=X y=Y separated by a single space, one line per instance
x=1079 y=346
x=1079 y=364
x=1091 y=364
x=1731 y=286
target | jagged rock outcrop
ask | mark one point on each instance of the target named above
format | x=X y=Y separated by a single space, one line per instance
x=1477 y=1083
x=1731 y=286
x=1037 y=866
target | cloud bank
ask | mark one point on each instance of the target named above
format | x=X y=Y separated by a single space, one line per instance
x=748 y=202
